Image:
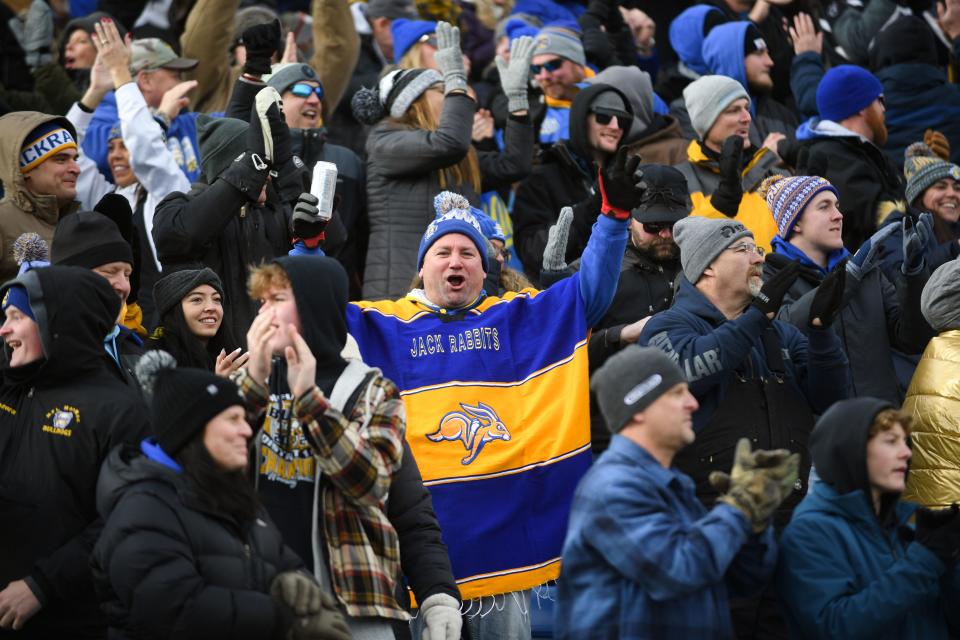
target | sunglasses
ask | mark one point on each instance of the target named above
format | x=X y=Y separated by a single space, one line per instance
x=605 y=116
x=654 y=228
x=550 y=66
x=302 y=90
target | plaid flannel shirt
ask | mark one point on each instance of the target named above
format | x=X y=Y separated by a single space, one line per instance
x=358 y=457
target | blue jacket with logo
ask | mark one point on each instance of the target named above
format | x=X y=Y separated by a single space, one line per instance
x=643 y=558
x=842 y=575
x=708 y=347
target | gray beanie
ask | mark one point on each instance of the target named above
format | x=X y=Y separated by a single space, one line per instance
x=707 y=97
x=701 y=240
x=940 y=300
x=629 y=382
x=174 y=287
x=286 y=75
x=562 y=42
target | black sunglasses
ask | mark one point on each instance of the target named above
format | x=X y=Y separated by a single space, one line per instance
x=302 y=90
x=605 y=116
x=654 y=228
x=550 y=66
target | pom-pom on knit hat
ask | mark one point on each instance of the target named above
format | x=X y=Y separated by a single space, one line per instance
x=788 y=196
x=844 y=90
x=393 y=96
x=454 y=215
x=922 y=168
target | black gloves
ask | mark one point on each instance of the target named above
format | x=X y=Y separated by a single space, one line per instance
x=261 y=42
x=306 y=223
x=828 y=299
x=917 y=236
x=771 y=294
x=726 y=199
x=939 y=531
x=621 y=185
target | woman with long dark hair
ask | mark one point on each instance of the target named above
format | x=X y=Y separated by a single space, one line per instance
x=187 y=550
x=192 y=328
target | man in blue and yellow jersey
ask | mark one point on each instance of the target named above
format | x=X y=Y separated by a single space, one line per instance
x=496 y=393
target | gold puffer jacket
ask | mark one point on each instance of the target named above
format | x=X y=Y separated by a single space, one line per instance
x=933 y=400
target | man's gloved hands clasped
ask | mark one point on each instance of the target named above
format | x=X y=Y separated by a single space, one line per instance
x=315 y=614
x=758 y=482
x=621 y=185
x=939 y=531
x=918 y=236
x=441 y=615
x=828 y=300
x=865 y=259
x=261 y=42
x=515 y=75
x=771 y=294
x=726 y=199
x=449 y=58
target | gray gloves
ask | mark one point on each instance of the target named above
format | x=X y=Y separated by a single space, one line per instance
x=441 y=615
x=34 y=34
x=449 y=58
x=515 y=75
x=866 y=256
x=555 y=253
x=917 y=236
x=315 y=612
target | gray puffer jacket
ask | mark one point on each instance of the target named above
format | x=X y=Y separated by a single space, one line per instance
x=403 y=168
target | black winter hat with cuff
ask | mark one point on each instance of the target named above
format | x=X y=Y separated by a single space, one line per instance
x=88 y=239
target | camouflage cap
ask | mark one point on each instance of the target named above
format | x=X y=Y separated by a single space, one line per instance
x=150 y=54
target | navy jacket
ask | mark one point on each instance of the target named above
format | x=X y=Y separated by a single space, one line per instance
x=708 y=347
x=644 y=559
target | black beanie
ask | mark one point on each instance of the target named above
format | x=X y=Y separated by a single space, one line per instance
x=753 y=40
x=182 y=400
x=173 y=287
x=88 y=239
x=221 y=140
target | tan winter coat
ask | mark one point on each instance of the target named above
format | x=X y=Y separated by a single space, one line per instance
x=20 y=210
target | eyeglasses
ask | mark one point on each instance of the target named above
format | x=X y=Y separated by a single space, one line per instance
x=743 y=247
x=302 y=90
x=550 y=66
x=654 y=228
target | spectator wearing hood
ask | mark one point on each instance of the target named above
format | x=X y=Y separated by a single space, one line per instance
x=559 y=66
x=851 y=566
x=686 y=35
x=64 y=410
x=186 y=547
x=600 y=120
x=845 y=147
x=917 y=94
x=421 y=145
x=934 y=394
x=234 y=216
x=655 y=138
x=723 y=168
x=876 y=316
x=854 y=26
x=738 y=50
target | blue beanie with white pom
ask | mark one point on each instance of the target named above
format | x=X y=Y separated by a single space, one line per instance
x=454 y=215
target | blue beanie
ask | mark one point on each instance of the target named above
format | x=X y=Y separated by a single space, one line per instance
x=489 y=227
x=406 y=33
x=845 y=90
x=454 y=215
x=16 y=296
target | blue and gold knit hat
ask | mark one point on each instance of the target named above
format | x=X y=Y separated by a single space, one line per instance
x=788 y=196
x=454 y=215
x=923 y=168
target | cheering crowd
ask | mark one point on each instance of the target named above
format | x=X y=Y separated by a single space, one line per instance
x=480 y=319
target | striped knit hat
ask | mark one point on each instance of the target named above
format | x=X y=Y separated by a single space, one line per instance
x=922 y=168
x=45 y=141
x=788 y=196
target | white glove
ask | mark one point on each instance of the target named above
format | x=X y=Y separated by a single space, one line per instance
x=441 y=617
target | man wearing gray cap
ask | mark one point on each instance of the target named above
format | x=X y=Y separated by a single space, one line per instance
x=558 y=67
x=754 y=377
x=642 y=557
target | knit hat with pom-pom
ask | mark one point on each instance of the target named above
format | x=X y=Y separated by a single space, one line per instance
x=923 y=168
x=182 y=400
x=393 y=96
x=787 y=197
x=454 y=215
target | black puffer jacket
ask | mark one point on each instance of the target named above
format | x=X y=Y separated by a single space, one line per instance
x=878 y=317
x=59 y=418
x=168 y=567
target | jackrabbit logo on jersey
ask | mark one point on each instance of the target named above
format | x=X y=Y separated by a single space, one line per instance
x=474 y=427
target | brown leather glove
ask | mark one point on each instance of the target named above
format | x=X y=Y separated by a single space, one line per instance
x=938 y=143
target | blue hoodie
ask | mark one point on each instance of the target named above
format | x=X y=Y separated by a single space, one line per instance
x=686 y=36
x=181 y=138
x=723 y=54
